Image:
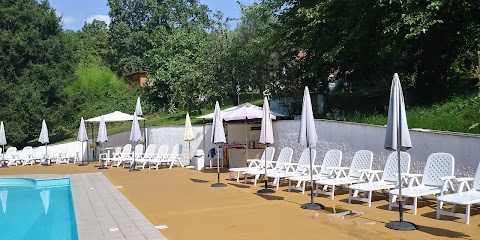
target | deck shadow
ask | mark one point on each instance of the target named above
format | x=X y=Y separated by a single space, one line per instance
x=198 y=180
x=239 y=185
x=440 y=232
x=269 y=197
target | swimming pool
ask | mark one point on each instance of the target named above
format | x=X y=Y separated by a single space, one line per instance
x=31 y=209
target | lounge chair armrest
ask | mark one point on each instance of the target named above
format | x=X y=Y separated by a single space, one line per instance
x=445 y=178
x=465 y=179
x=463 y=183
x=413 y=179
x=375 y=171
x=447 y=183
x=413 y=175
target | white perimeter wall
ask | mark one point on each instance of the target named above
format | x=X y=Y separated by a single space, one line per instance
x=349 y=138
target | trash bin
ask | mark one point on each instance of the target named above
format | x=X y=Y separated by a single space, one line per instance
x=199 y=159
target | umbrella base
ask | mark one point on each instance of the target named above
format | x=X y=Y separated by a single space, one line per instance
x=82 y=164
x=4 y=166
x=218 y=185
x=312 y=206
x=102 y=167
x=46 y=164
x=134 y=170
x=266 y=191
x=402 y=226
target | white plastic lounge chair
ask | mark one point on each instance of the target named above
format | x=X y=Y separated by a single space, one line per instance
x=284 y=158
x=161 y=155
x=332 y=159
x=388 y=181
x=294 y=169
x=54 y=154
x=254 y=163
x=137 y=153
x=11 y=157
x=126 y=152
x=27 y=156
x=73 y=152
x=39 y=154
x=436 y=179
x=361 y=163
x=62 y=155
x=465 y=196
x=147 y=156
x=170 y=159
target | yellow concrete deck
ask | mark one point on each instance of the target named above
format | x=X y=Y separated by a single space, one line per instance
x=183 y=200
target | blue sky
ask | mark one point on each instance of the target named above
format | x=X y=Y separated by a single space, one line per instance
x=76 y=12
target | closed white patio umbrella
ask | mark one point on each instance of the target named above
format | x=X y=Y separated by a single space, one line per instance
x=43 y=139
x=135 y=137
x=218 y=137
x=397 y=138
x=266 y=137
x=102 y=137
x=3 y=142
x=307 y=137
x=189 y=137
x=82 y=137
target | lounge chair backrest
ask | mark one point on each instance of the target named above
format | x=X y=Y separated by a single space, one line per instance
x=285 y=156
x=361 y=160
x=39 y=152
x=476 y=181
x=304 y=161
x=162 y=150
x=268 y=153
x=150 y=151
x=10 y=152
x=390 y=172
x=438 y=165
x=26 y=152
x=177 y=149
x=138 y=150
x=333 y=158
x=126 y=150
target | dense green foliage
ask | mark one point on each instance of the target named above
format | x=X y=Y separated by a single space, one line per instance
x=193 y=58
x=36 y=64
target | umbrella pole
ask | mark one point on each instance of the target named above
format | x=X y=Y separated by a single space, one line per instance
x=3 y=158
x=133 y=168
x=46 y=163
x=218 y=184
x=83 y=163
x=265 y=190
x=312 y=205
x=102 y=165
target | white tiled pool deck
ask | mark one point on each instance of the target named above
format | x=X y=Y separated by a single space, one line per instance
x=100 y=208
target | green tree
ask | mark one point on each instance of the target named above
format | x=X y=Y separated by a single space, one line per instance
x=36 y=64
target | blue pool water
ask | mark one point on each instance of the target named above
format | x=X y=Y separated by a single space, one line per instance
x=38 y=210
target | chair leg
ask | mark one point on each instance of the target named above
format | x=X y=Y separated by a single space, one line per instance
x=303 y=187
x=349 y=195
x=467 y=214
x=415 y=201
x=238 y=176
x=370 y=198
x=332 y=195
x=390 y=196
x=438 y=210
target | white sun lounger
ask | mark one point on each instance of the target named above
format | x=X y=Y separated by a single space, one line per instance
x=436 y=179
x=332 y=159
x=126 y=152
x=285 y=157
x=388 y=181
x=161 y=154
x=146 y=157
x=254 y=163
x=11 y=157
x=294 y=169
x=27 y=156
x=465 y=197
x=361 y=163
x=137 y=153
